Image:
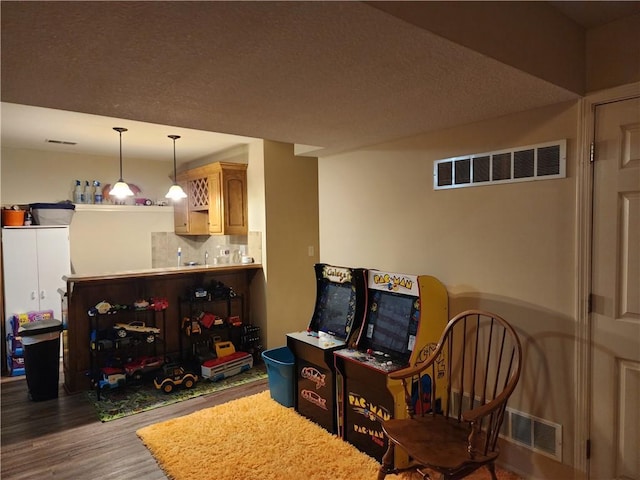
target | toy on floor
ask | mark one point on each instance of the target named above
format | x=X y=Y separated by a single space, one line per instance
x=112 y=378
x=228 y=363
x=173 y=376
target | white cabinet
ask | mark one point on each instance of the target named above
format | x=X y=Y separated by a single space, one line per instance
x=34 y=261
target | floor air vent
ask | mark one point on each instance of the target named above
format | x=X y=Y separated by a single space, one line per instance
x=521 y=164
x=535 y=433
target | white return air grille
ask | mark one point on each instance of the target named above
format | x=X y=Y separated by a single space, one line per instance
x=521 y=164
x=537 y=434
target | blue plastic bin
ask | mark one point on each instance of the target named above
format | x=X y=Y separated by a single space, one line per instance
x=280 y=364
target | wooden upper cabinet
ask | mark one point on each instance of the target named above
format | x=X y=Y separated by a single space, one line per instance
x=181 y=211
x=216 y=202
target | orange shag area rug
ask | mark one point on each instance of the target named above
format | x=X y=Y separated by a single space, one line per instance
x=256 y=438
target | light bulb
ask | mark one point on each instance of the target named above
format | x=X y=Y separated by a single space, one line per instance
x=176 y=192
x=121 y=190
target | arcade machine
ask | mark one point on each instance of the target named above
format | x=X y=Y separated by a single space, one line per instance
x=339 y=313
x=406 y=314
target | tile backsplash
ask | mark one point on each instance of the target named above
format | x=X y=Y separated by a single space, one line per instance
x=221 y=249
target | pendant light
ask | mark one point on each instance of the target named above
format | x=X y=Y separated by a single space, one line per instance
x=120 y=189
x=175 y=192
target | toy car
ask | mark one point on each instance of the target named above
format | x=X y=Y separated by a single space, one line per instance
x=173 y=376
x=100 y=340
x=103 y=344
x=123 y=329
x=141 y=304
x=138 y=367
x=112 y=378
x=126 y=341
x=158 y=304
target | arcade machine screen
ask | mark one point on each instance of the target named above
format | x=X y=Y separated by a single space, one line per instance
x=392 y=326
x=335 y=309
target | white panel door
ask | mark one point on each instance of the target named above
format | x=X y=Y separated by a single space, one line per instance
x=615 y=317
x=53 y=262
x=20 y=263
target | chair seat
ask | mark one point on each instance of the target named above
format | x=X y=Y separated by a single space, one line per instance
x=436 y=441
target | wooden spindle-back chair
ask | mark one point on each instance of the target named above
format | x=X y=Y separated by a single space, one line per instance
x=479 y=355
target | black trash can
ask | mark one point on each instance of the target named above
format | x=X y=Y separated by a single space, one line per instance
x=41 y=341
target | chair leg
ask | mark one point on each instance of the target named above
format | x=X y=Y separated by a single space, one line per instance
x=492 y=470
x=388 y=461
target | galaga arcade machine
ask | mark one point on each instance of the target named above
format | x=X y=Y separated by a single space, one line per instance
x=406 y=315
x=339 y=312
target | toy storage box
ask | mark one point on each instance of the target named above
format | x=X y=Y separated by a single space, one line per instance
x=52 y=213
x=16 y=365
x=15 y=349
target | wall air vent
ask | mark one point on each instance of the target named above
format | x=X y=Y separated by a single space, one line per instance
x=543 y=161
x=60 y=142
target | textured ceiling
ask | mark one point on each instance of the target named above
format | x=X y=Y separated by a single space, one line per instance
x=337 y=75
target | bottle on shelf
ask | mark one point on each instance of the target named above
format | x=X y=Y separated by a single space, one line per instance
x=97 y=195
x=88 y=192
x=78 y=193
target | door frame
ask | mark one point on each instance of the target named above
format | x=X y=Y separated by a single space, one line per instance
x=584 y=226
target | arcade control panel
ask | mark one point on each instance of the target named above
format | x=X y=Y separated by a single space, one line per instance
x=373 y=359
x=320 y=340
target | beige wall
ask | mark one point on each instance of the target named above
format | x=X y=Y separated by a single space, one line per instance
x=378 y=209
x=113 y=241
x=30 y=176
x=257 y=222
x=613 y=54
x=508 y=248
x=291 y=215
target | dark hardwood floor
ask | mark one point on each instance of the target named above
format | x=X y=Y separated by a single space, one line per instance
x=63 y=438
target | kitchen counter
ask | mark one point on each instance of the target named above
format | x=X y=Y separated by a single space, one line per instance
x=84 y=291
x=155 y=272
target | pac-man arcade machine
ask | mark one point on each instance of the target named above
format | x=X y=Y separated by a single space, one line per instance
x=406 y=314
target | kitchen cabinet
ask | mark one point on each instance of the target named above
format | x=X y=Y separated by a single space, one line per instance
x=216 y=202
x=34 y=261
x=181 y=211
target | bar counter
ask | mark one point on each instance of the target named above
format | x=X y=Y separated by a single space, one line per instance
x=85 y=291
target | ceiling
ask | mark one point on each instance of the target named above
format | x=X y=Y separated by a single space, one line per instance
x=29 y=127
x=331 y=75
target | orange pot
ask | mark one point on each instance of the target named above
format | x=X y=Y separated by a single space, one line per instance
x=12 y=218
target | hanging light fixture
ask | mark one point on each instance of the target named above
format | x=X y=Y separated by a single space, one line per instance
x=120 y=189
x=175 y=192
